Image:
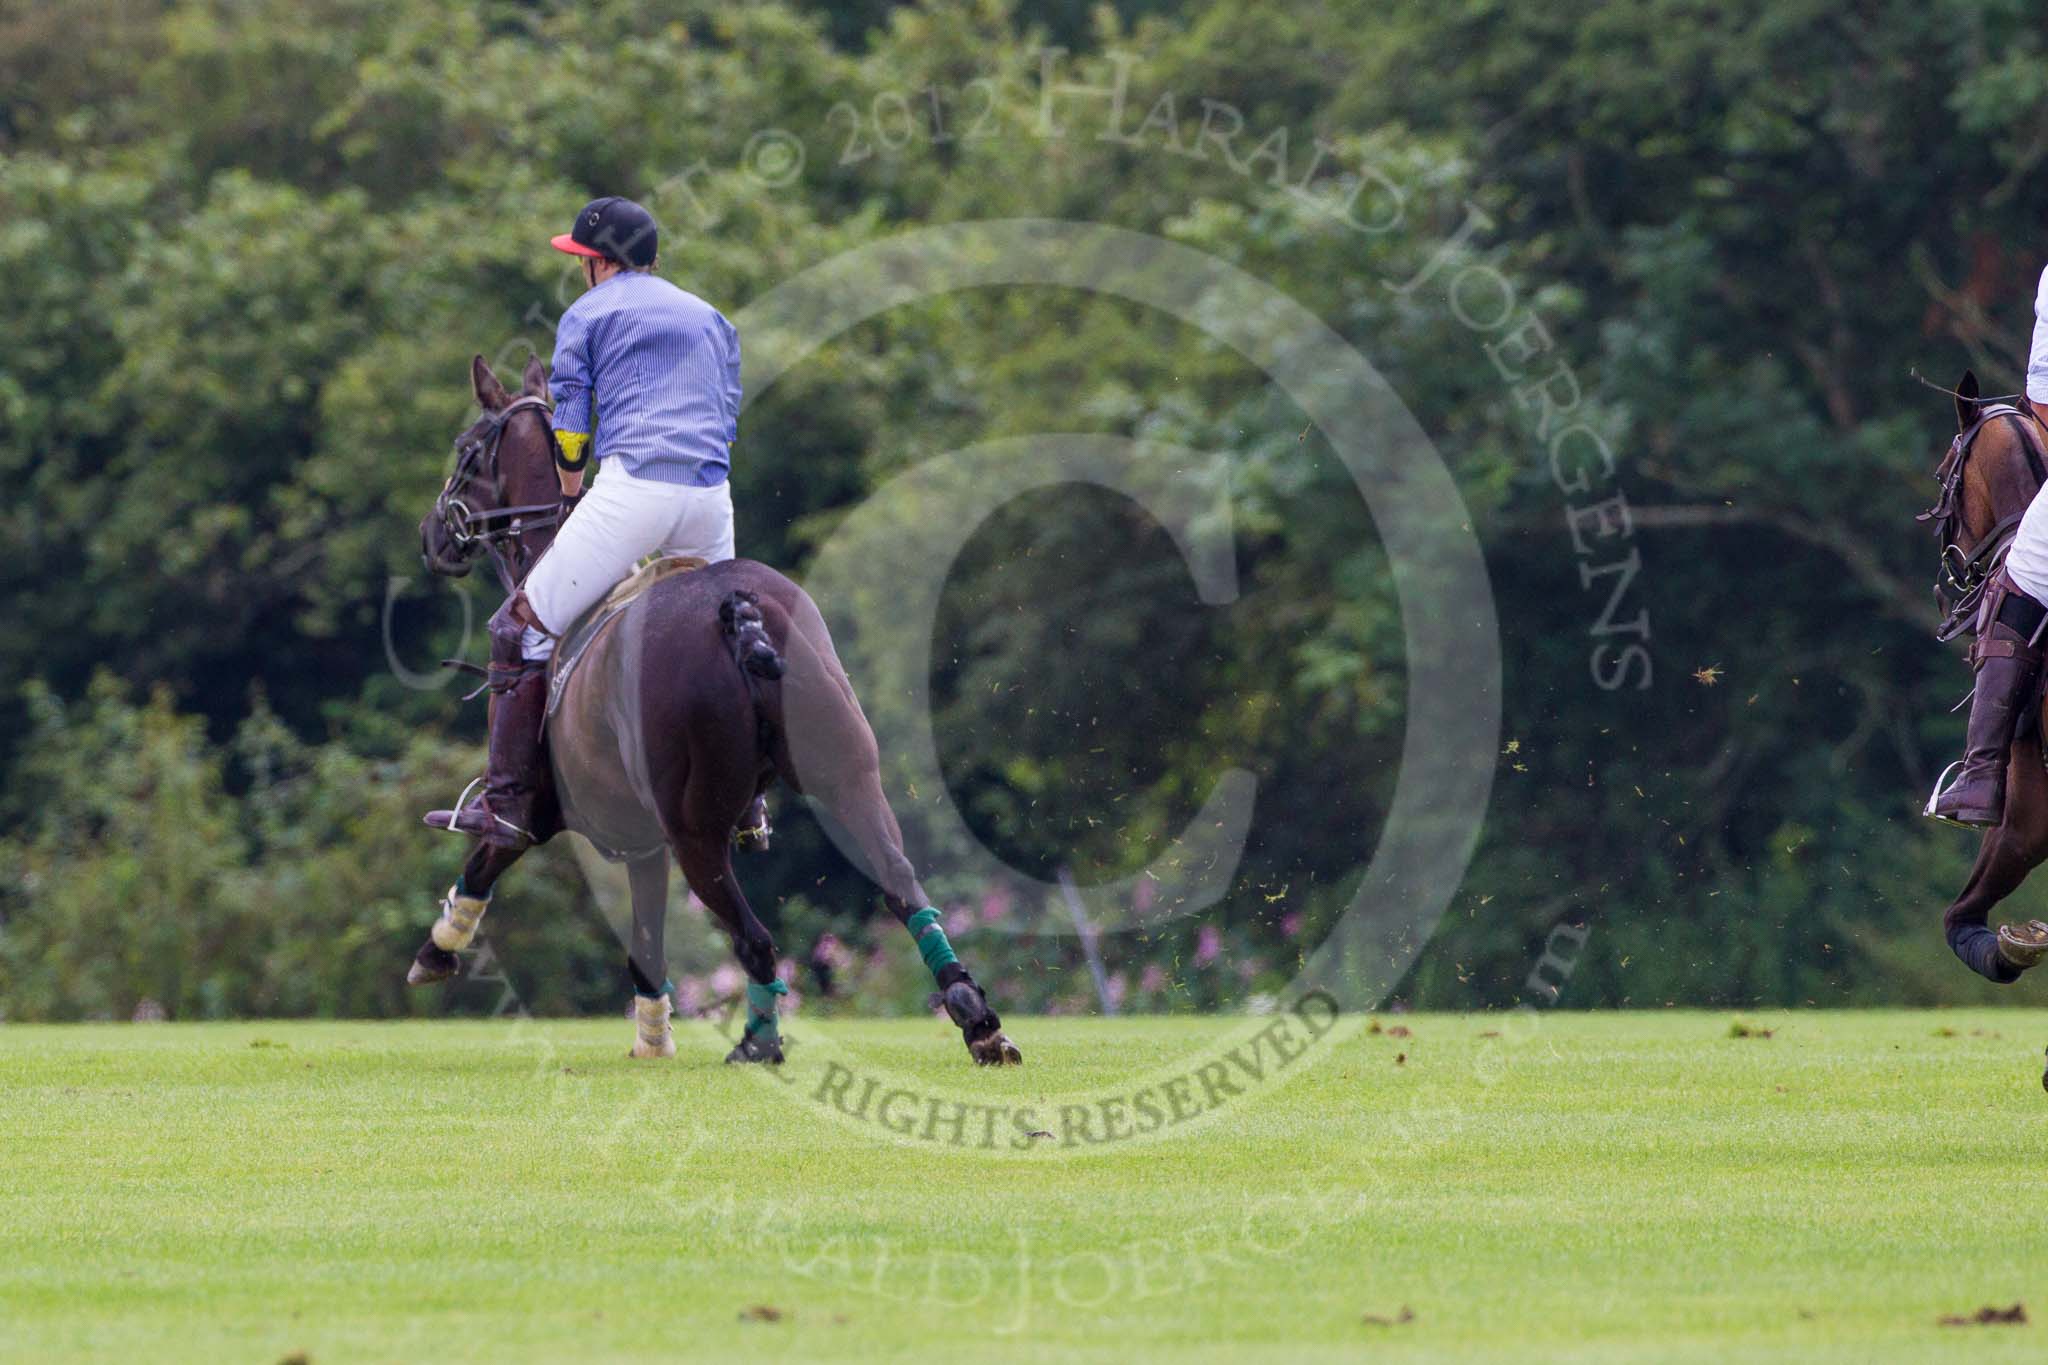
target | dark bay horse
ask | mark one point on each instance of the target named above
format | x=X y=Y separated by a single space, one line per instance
x=1994 y=468
x=712 y=685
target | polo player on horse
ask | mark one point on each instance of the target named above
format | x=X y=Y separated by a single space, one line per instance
x=747 y=688
x=646 y=381
x=2008 y=650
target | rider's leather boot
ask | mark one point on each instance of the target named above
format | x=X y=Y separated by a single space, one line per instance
x=504 y=814
x=2004 y=684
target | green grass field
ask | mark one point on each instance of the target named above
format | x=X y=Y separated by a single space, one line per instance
x=1607 y=1187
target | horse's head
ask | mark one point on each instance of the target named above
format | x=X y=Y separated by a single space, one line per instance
x=1993 y=468
x=503 y=497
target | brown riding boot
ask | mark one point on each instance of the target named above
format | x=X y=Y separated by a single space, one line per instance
x=503 y=815
x=2005 y=681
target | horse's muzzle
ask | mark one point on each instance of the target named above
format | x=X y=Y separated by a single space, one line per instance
x=438 y=552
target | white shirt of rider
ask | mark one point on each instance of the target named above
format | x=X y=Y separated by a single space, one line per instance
x=2026 y=563
x=2037 y=358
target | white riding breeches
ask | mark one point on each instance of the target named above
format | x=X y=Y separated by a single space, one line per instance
x=2026 y=563
x=618 y=523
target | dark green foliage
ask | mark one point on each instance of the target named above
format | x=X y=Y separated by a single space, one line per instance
x=250 y=247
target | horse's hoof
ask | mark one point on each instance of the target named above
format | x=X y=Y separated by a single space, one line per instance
x=432 y=964
x=652 y=1037
x=652 y=1050
x=995 y=1050
x=752 y=1048
x=2023 y=945
x=980 y=1026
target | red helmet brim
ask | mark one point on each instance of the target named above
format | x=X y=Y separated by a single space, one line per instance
x=575 y=248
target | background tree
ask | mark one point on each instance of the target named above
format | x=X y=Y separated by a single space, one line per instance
x=250 y=247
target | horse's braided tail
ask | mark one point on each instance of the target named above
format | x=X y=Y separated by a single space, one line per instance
x=747 y=632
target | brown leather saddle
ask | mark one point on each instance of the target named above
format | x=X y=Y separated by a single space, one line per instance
x=576 y=641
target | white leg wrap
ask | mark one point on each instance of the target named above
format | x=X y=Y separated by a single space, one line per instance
x=650 y=1023
x=457 y=925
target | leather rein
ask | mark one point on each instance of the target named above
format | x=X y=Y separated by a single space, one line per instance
x=496 y=531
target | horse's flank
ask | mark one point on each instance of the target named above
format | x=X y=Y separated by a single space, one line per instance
x=655 y=694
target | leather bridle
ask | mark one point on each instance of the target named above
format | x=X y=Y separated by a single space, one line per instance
x=496 y=531
x=1959 y=583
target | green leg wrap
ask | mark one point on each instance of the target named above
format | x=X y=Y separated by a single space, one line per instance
x=932 y=943
x=761 y=1018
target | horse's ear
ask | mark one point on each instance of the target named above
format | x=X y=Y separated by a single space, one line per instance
x=534 y=382
x=489 y=391
x=1967 y=393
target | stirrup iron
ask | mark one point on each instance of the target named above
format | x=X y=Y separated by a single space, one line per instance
x=461 y=805
x=1940 y=786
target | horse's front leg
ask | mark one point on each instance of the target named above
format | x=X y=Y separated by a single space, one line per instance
x=647 y=958
x=462 y=909
x=2010 y=851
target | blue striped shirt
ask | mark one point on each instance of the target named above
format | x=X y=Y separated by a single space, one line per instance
x=654 y=372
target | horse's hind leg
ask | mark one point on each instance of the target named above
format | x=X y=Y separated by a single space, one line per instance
x=647 y=957
x=859 y=805
x=461 y=910
x=707 y=866
x=2009 y=852
x=753 y=831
